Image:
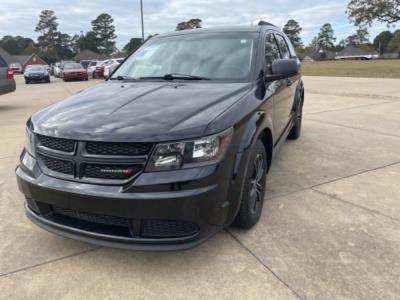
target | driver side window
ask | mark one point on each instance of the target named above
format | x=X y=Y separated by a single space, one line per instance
x=271 y=52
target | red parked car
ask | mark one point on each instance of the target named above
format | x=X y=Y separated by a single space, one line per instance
x=100 y=68
x=73 y=71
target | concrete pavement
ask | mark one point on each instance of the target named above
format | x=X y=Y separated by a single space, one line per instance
x=330 y=227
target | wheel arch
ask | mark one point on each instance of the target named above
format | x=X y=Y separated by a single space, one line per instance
x=299 y=95
x=268 y=142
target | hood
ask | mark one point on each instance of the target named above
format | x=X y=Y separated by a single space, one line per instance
x=139 y=111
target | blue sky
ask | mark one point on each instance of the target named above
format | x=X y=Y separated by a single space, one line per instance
x=19 y=17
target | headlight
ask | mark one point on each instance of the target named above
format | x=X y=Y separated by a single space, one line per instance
x=189 y=154
x=29 y=142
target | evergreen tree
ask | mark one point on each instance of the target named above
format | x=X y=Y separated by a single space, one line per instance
x=104 y=32
x=326 y=37
x=292 y=29
x=47 y=27
x=132 y=45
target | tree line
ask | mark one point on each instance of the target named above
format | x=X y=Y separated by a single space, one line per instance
x=53 y=45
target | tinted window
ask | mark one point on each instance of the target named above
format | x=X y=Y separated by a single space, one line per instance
x=73 y=66
x=271 y=52
x=37 y=69
x=283 y=47
x=215 y=56
x=2 y=63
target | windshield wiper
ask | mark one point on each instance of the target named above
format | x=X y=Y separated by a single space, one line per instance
x=122 y=77
x=179 y=76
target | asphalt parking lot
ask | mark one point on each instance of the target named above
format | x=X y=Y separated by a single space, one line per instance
x=330 y=227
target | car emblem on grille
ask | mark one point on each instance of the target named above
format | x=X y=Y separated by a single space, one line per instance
x=127 y=171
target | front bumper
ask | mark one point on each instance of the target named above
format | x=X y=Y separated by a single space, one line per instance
x=75 y=76
x=36 y=78
x=193 y=199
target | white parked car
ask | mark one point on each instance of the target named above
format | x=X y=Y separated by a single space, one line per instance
x=57 y=70
x=91 y=69
x=112 y=65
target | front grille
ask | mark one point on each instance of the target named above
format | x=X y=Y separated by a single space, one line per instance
x=58 y=144
x=122 y=149
x=105 y=224
x=92 y=161
x=167 y=228
x=120 y=172
x=58 y=165
x=91 y=217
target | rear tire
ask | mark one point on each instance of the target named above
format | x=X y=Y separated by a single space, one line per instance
x=254 y=189
x=295 y=132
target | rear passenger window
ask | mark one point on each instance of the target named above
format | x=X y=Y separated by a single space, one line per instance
x=283 y=47
x=271 y=52
x=2 y=63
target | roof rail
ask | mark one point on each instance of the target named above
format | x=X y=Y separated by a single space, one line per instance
x=265 y=23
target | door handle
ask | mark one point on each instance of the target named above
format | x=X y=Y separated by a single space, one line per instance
x=289 y=82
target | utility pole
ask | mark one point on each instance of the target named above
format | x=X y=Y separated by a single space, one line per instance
x=141 y=15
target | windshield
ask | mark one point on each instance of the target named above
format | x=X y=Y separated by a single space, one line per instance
x=215 y=57
x=72 y=66
x=37 y=69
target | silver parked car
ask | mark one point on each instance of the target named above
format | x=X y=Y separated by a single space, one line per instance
x=7 y=82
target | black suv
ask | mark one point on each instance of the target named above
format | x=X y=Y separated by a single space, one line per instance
x=172 y=148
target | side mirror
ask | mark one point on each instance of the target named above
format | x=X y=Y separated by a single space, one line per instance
x=283 y=68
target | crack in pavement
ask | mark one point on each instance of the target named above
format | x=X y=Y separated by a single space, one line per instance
x=356 y=128
x=353 y=95
x=333 y=180
x=335 y=197
x=348 y=108
x=48 y=262
x=296 y=293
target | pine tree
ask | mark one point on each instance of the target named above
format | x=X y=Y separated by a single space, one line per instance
x=326 y=37
x=292 y=29
x=104 y=31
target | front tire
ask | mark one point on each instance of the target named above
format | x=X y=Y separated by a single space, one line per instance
x=254 y=190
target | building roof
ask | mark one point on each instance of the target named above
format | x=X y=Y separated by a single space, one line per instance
x=6 y=56
x=90 y=55
x=352 y=51
x=118 y=55
x=22 y=58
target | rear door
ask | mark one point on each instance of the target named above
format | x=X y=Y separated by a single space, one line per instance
x=6 y=85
